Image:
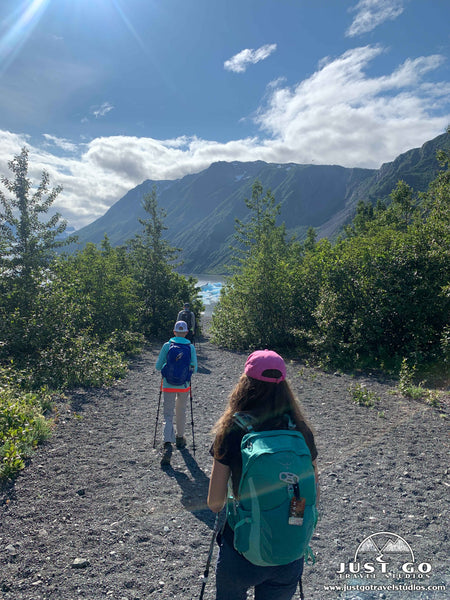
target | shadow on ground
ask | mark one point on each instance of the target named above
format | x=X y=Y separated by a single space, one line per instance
x=194 y=490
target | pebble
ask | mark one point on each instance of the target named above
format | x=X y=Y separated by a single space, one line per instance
x=80 y=563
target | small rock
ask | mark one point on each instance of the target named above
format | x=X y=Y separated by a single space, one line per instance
x=80 y=563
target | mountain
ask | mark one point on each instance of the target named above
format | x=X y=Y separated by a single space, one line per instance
x=201 y=208
x=417 y=167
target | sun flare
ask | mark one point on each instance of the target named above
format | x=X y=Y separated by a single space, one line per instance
x=19 y=26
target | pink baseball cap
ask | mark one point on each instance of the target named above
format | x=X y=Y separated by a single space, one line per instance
x=262 y=360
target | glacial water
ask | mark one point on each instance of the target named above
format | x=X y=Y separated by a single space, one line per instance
x=210 y=286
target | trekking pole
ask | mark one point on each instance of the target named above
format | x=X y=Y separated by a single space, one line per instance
x=300 y=587
x=157 y=413
x=210 y=554
x=192 y=420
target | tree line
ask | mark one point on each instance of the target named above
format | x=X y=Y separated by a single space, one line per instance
x=71 y=320
x=377 y=296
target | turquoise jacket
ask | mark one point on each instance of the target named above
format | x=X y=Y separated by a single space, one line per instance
x=162 y=361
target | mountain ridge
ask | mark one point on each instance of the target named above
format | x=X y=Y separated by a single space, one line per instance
x=201 y=208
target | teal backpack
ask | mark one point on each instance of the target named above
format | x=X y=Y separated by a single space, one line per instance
x=275 y=514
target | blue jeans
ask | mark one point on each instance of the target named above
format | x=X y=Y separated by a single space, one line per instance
x=235 y=575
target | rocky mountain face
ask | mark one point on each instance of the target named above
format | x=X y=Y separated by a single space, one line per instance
x=201 y=208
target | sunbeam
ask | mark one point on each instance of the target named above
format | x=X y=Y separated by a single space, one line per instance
x=24 y=19
x=129 y=25
x=142 y=45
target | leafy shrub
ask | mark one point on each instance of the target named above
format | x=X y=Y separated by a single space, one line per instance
x=363 y=396
x=254 y=307
x=127 y=343
x=79 y=361
x=22 y=422
x=409 y=389
x=406 y=378
x=374 y=297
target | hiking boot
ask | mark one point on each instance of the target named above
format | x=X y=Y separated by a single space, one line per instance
x=181 y=442
x=167 y=454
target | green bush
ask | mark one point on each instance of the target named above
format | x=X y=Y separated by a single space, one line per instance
x=128 y=343
x=377 y=295
x=81 y=360
x=22 y=422
x=363 y=396
x=416 y=391
x=254 y=307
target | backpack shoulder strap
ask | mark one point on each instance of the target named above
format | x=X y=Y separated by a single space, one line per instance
x=290 y=423
x=244 y=420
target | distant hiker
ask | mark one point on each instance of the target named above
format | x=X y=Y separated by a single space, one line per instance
x=177 y=361
x=271 y=513
x=188 y=317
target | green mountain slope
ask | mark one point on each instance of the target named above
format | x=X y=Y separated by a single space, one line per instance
x=417 y=167
x=201 y=208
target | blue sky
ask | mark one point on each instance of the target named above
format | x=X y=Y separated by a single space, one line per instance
x=108 y=93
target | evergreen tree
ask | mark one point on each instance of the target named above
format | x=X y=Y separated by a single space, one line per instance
x=254 y=306
x=263 y=212
x=311 y=240
x=364 y=215
x=161 y=290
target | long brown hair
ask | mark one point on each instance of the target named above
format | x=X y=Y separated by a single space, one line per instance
x=265 y=401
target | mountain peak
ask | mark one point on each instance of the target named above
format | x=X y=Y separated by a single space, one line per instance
x=202 y=208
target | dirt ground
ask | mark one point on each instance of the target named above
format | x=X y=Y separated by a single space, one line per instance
x=94 y=516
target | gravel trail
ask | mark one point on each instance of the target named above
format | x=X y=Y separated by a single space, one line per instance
x=94 y=516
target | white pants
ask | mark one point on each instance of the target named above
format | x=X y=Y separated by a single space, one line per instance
x=174 y=401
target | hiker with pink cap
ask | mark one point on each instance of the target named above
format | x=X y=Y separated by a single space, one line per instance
x=265 y=472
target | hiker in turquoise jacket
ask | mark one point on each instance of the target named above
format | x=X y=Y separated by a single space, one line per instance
x=175 y=396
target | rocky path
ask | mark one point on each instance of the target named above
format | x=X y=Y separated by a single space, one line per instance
x=94 y=516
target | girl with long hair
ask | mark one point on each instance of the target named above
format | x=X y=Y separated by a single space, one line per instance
x=264 y=394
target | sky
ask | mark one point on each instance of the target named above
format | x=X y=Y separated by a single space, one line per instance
x=108 y=93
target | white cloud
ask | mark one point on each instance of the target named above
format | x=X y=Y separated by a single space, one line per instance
x=239 y=62
x=371 y=13
x=101 y=111
x=339 y=115
x=10 y=145
x=62 y=143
